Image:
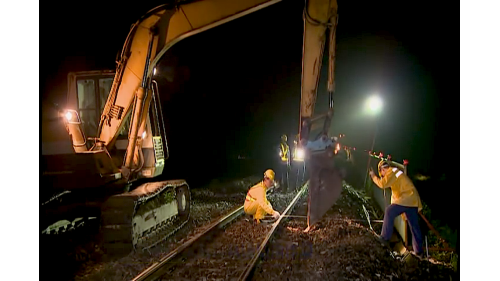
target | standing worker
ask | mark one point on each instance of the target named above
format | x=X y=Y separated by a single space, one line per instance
x=256 y=203
x=284 y=152
x=404 y=199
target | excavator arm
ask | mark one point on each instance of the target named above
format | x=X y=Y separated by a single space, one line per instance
x=320 y=16
x=149 y=39
x=156 y=33
x=325 y=179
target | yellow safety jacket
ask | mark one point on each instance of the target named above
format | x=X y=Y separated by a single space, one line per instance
x=257 y=193
x=404 y=192
x=285 y=151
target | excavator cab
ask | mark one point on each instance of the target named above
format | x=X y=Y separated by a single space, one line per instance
x=88 y=92
x=86 y=97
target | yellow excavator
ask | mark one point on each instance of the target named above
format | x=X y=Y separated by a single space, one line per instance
x=117 y=157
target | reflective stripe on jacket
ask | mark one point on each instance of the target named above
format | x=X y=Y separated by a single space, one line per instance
x=404 y=192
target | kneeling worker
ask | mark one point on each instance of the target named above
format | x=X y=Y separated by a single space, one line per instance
x=404 y=199
x=256 y=203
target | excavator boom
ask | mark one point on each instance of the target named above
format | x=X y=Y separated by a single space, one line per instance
x=319 y=17
x=170 y=25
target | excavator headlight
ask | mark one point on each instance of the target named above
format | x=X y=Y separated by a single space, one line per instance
x=71 y=116
x=68 y=116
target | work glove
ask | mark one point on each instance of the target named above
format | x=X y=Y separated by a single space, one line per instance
x=372 y=173
x=276 y=215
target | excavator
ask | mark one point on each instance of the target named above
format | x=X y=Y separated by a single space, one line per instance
x=116 y=146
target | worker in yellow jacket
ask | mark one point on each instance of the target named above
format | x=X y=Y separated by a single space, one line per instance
x=256 y=203
x=405 y=199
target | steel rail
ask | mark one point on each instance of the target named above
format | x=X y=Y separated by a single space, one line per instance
x=345 y=220
x=249 y=270
x=157 y=269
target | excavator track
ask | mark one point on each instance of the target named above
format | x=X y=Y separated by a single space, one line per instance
x=145 y=216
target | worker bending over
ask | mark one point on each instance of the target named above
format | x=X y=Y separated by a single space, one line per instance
x=404 y=199
x=256 y=203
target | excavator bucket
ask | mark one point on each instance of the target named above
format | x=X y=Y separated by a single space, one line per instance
x=325 y=185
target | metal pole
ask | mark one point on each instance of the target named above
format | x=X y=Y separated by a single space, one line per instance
x=371 y=150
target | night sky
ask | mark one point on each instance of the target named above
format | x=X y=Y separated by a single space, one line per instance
x=236 y=88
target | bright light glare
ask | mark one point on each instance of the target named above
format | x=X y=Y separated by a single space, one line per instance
x=154 y=71
x=300 y=153
x=144 y=135
x=337 y=148
x=68 y=116
x=374 y=104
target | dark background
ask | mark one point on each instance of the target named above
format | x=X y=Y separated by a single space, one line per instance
x=236 y=89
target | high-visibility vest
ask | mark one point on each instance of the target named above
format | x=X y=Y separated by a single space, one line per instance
x=284 y=152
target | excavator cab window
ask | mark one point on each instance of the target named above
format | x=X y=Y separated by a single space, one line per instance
x=92 y=95
x=104 y=89
x=87 y=106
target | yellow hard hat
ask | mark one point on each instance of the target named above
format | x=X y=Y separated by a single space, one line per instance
x=381 y=164
x=269 y=174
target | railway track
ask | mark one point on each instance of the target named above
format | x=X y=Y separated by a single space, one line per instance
x=343 y=247
x=228 y=249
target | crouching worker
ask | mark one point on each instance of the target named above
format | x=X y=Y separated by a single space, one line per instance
x=404 y=199
x=256 y=203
